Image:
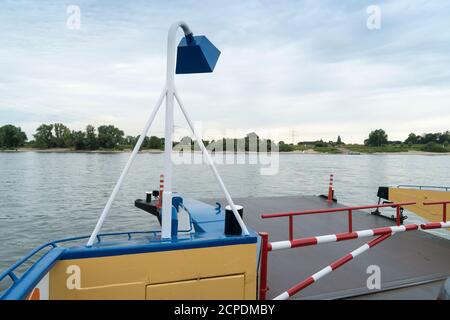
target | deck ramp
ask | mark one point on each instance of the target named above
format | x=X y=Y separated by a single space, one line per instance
x=407 y=259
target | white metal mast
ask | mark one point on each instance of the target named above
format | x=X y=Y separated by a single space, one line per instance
x=170 y=94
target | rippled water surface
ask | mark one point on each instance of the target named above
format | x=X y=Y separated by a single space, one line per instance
x=47 y=196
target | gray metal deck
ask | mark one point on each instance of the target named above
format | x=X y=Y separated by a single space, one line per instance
x=408 y=261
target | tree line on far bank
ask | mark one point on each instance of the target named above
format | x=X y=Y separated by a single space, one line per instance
x=57 y=135
x=109 y=137
x=430 y=142
x=377 y=141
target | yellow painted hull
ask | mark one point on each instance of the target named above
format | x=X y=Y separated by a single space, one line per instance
x=223 y=272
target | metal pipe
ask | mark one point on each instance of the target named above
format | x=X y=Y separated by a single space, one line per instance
x=431 y=203
x=444 y=207
x=166 y=220
x=332 y=210
x=125 y=170
x=350 y=222
x=211 y=164
x=263 y=269
x=398 y=213
x=291 y=227
x=422 y=187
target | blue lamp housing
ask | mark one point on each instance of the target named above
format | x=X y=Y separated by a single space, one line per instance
x=196 y=54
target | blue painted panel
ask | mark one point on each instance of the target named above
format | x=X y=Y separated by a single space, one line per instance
x=197 y=56
x=122 y=249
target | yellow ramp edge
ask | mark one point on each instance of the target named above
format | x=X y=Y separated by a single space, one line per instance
x=430 y=213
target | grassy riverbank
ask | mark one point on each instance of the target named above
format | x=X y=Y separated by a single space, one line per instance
x=398 y=149
x=364 y=149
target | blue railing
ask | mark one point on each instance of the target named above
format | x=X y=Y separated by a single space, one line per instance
x=422 y=187
x=53 y=244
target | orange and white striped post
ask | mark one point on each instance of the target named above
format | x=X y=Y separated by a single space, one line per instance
x=161 y=190
x=330 y=189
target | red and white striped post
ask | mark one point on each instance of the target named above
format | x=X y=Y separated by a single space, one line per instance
x=330 y=189
x=161 y=190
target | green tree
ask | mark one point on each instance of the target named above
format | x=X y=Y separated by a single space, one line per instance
x=130 y=140
x=430 y=137
x=412 y=139
x=79 y=140
x=44 y=136
x=320 y=144
x=12 y=137
x=155 y=143
x=445 y=137
x=283 y=147
x=377 y=138
x=339 y=140
x=109 y=137
x=63 y=136
x=91 y=138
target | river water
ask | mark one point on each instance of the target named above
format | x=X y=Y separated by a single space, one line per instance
x=48 y=196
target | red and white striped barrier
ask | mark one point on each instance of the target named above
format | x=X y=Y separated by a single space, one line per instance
x=280 y=245
x=338 y=263
x=383 y=234
x=435 y=225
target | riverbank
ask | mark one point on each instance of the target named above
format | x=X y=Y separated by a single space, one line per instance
x=340 y=150
x=68 y=150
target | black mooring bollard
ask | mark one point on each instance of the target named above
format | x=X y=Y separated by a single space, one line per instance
x=232 y=226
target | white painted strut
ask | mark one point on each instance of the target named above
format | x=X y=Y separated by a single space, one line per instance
x=125 y=170
x=213 y=167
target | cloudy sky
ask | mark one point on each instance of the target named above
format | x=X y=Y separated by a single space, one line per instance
x=299 y=70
